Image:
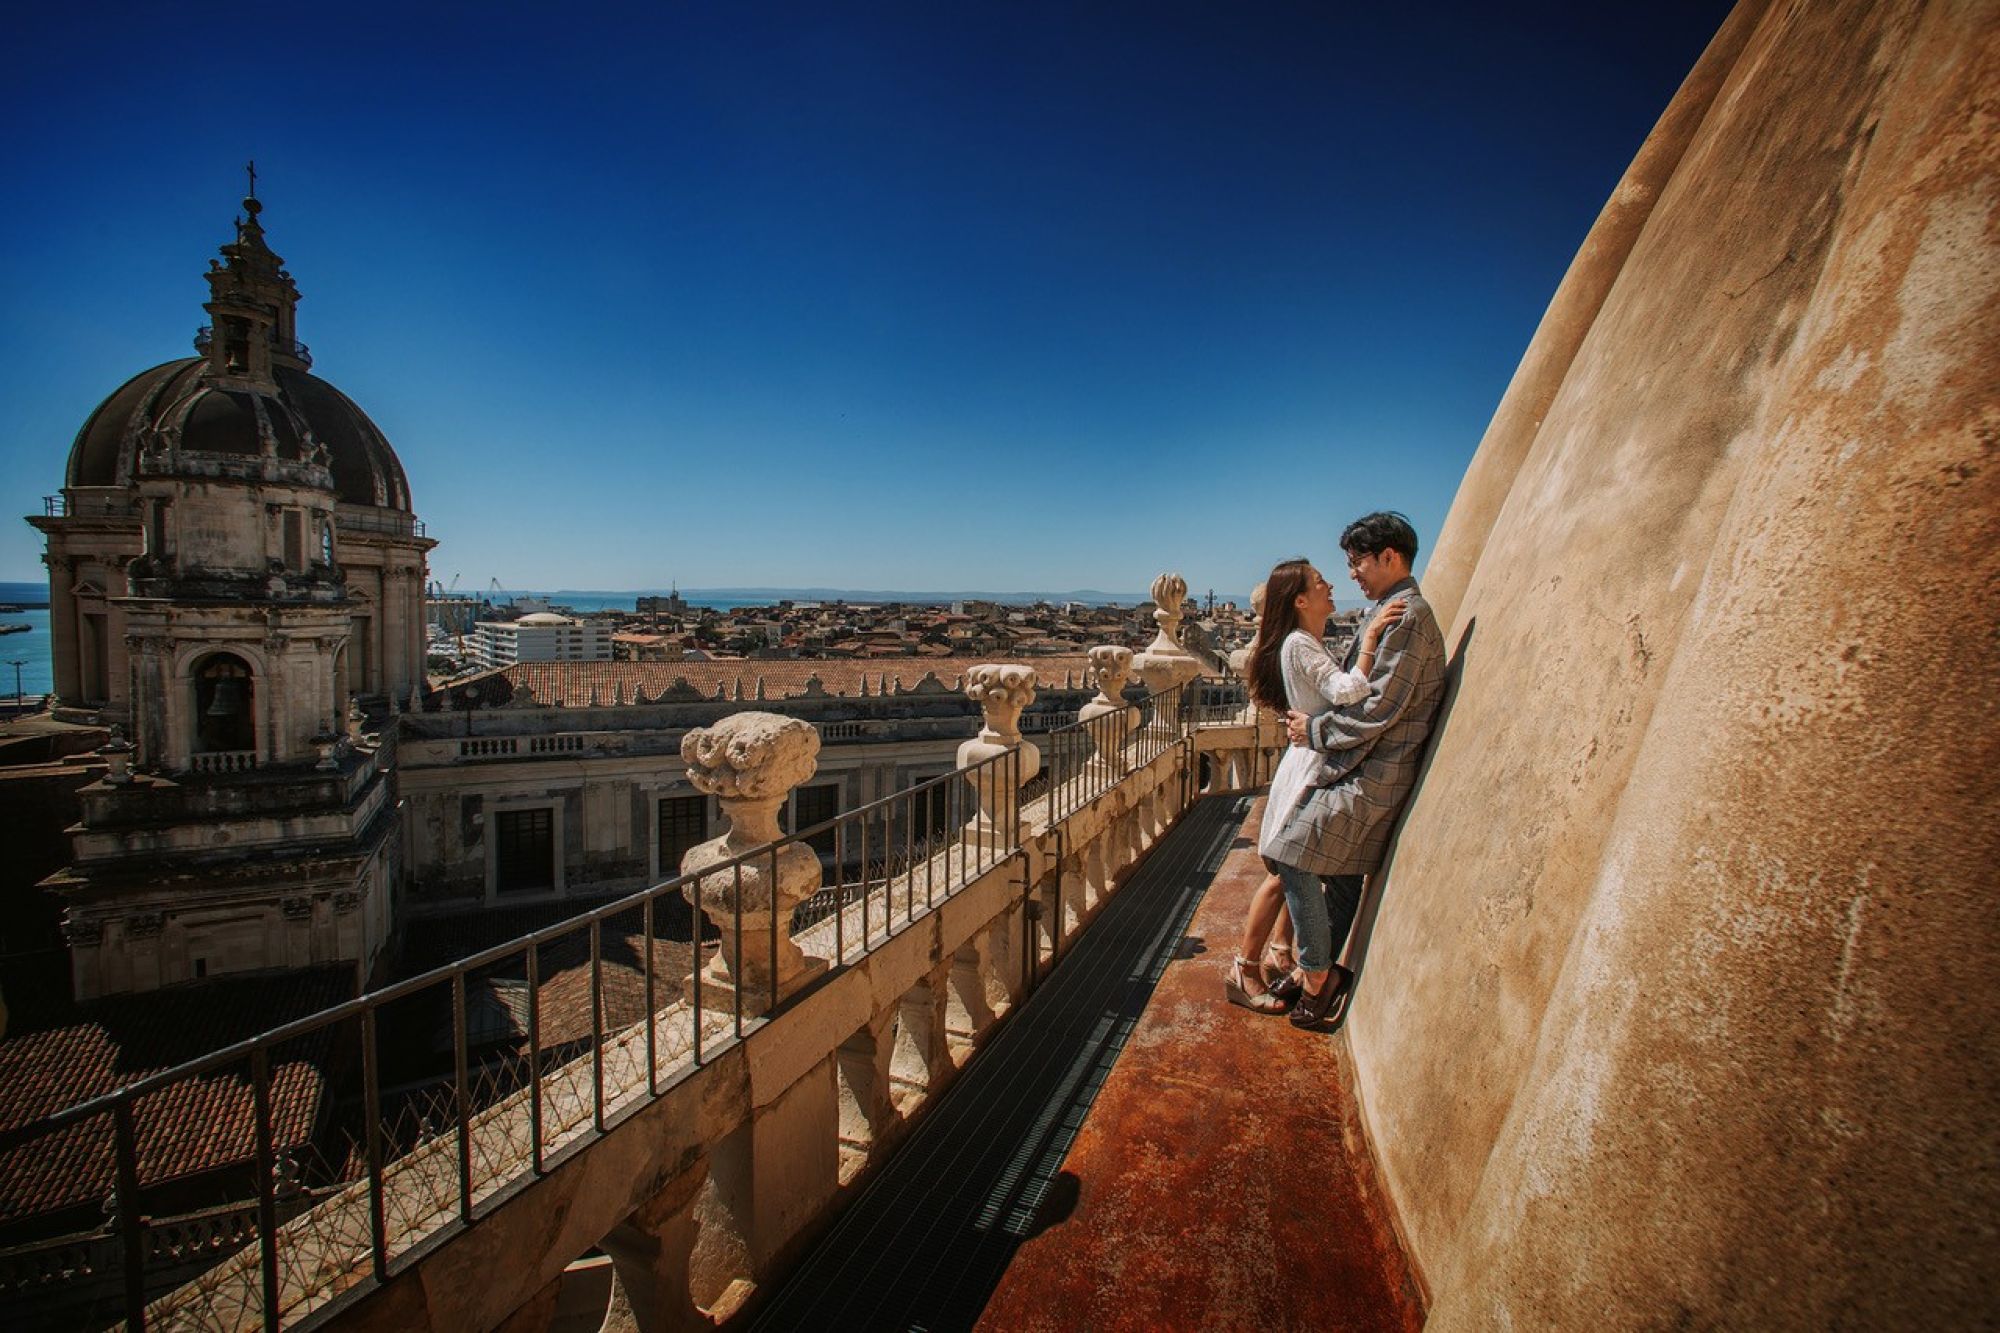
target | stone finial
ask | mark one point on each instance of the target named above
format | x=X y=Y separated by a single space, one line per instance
x=357 y=720
x=1001 y=690
x=1239 y=661
x=751 y=762
x=1165 y=663
x=751 y=756
x=1169 y=594
x=1110 y=668
x=117 y=754
x=591 y=699
x=617 y=694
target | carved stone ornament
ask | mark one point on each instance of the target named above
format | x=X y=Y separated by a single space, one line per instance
x=751 y=762
x=144 y=925
x=1001 y=690
x=1110 y=667
x=1165 y=663
x=296 y=908
x=82 y=932
x=117 y=754
x=345 y=902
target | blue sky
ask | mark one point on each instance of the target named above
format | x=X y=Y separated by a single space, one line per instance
x=923 y=296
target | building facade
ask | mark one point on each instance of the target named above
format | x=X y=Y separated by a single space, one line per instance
x=541 y=636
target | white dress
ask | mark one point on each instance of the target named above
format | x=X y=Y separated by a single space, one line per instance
x=1314 y=684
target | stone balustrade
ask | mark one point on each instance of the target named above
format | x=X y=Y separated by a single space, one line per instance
x=697 y=1146
x=222 y=761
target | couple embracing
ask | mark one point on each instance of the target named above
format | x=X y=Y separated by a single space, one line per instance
x=1357 y=731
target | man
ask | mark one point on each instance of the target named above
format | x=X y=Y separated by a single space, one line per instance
x=1369 y=750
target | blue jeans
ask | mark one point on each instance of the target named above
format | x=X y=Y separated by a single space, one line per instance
x=1322 y=911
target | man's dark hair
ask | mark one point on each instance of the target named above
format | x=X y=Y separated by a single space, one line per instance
x=1384 y=530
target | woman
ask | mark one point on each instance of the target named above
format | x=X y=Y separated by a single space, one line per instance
x=1290 y=668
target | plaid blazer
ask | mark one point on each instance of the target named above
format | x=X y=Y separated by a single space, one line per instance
x=1369 y=751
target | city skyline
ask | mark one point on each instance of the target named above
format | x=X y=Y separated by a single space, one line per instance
x=927 y=301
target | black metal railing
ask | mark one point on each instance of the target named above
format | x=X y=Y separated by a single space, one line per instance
x=1082 y=761
x=204 y=338
x=475 y=1074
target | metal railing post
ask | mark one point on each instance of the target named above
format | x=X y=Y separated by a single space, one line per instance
x=371 y=1109
x=461 y=1096
x=131 y=1227
x=646 y=932
x=533 y=967
x=597 y=1024
x=267 y=1170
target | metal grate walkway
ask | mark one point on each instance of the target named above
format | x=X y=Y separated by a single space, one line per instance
x=926 y=1242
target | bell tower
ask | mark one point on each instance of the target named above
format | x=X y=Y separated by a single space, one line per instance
x=239 y=829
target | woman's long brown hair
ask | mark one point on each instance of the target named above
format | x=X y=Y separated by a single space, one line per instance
x=1281 y=617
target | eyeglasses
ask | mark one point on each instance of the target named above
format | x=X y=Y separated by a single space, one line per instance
x=1355 y=562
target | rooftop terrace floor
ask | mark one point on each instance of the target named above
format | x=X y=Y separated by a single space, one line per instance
x=1129 y=1152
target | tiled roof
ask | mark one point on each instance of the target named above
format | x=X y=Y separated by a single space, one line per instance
x=569 y=684
x=188 y=1128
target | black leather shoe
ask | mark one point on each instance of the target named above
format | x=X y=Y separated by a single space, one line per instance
x=1329 y=1006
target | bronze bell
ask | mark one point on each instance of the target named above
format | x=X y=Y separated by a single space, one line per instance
x=228 y=700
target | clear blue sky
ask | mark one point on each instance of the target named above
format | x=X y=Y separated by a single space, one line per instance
x=996 y=296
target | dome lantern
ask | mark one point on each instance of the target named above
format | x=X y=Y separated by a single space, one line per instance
x=252 y=308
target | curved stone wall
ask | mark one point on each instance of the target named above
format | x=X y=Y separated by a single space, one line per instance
x=1676 y=1010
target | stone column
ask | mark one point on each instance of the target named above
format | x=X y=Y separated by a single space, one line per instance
x=396 y=627
x=1110 y=668
x=751 y=762
x=63 y=629
x=1001 y=690
x=1165 y=663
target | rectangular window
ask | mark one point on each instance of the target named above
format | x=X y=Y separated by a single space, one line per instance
x=683 y=825
x=816 y=805
x=295 y=539
x=524 y=851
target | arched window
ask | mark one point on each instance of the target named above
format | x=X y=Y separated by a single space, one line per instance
x=224 y=715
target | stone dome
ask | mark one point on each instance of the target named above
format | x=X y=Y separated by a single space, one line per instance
x=544 y=618
x=174 y=399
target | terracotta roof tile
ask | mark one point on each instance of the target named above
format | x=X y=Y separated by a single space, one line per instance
x=186 y=1129
x=568 y=684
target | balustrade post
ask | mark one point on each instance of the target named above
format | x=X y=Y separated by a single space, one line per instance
x=1165 y=663
x=868 y=1116
x=1074 y=904
x=922 y=1059
x=1110 y=668
x=969 y=1010
x=751 y=762
x=1001 y=690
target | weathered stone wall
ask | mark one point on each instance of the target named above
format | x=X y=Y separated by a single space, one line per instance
x=1676 y=1011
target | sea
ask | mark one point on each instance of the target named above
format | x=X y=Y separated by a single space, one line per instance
x=26 y=653
x=29 y=651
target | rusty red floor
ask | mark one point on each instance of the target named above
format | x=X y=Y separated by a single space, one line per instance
x=1128 y=1151
x=1220 y=1178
